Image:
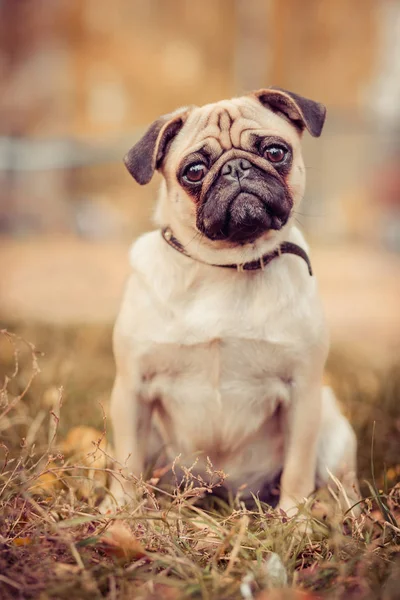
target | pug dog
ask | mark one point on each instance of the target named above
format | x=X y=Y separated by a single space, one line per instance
x=220 y=343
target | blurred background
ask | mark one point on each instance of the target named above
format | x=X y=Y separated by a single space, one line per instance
x=80 y=81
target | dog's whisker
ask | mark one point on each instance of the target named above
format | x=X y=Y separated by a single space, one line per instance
x=298 y=221
x=308 y=215
x=312 y=168
x=198 y=234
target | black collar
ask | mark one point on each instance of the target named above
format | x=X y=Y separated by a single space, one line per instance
x=254 y=265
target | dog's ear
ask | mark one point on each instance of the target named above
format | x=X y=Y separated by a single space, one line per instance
x=300 y=111
x=147 y=155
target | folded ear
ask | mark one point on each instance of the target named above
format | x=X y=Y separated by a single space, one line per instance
x=301 y=111
x=147 y=155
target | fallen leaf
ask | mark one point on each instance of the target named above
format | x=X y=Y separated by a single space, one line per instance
x=286 y=594
x=46 y=483
x=22 y=541
x=119 y=541
x=82 y=441
x=165 y=592
x=86 y=446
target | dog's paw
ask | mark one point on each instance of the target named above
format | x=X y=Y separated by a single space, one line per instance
x=289 y=507
x=301 y=516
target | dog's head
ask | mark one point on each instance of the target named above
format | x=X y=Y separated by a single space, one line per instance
x=233 y=169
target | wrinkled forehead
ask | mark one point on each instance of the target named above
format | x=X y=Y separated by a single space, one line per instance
x=231 y=124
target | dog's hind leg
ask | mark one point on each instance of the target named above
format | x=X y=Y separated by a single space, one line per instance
x=337 y=453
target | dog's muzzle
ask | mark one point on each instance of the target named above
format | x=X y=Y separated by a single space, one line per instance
x=243 y=202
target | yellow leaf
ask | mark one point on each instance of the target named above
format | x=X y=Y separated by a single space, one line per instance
x=46 y=483
x=85 y=446
x=22 y=541
x=87 y=443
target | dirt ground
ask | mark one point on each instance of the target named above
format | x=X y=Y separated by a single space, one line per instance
x=71 y=281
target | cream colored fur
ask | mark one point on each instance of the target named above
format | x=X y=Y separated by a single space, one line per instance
x=206 y=355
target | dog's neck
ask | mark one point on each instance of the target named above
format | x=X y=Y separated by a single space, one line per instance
x=217 y=252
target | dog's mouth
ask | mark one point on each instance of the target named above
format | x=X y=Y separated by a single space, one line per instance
x=241 y=209
x=246 y=218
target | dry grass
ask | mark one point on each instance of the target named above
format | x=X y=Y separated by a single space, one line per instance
x=54 y=543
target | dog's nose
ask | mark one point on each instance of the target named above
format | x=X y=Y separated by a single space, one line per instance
x=237 y=168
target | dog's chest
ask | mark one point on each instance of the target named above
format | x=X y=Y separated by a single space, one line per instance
x=222 y=362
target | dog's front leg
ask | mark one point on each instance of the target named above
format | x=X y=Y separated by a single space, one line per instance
x=130 y=417
x=301 y=445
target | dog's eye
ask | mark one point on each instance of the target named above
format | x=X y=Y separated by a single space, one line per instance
x=275 y=154
x=195 y=172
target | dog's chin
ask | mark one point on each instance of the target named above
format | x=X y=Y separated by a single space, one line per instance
x=247 y=220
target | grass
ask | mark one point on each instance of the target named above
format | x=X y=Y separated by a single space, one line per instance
x=54 y=469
